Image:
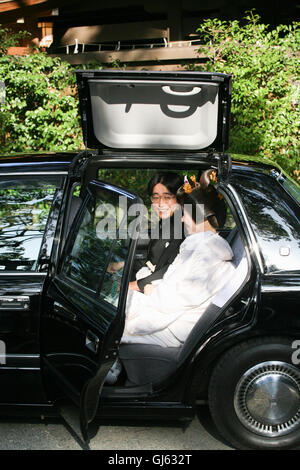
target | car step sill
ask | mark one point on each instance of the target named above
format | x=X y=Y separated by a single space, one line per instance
x=109 y=391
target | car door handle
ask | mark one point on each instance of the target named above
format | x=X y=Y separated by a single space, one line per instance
x=194 y=91
x=14 y=302
x=92 y=341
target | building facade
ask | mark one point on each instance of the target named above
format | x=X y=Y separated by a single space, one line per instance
x=140 y=34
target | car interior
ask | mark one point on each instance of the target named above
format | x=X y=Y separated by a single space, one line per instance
x=145 y=364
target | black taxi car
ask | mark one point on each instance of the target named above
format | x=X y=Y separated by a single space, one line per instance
x=62 y=311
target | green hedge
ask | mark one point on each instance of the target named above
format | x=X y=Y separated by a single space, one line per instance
x=41 y=106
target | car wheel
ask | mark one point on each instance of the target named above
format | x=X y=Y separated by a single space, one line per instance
x=254 y=395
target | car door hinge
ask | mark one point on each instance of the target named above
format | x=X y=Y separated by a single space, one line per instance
x=224 y=167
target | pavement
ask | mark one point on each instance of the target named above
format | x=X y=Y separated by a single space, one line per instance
x=52 y=434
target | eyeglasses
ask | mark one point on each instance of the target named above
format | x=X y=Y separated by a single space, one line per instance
x=165 y=197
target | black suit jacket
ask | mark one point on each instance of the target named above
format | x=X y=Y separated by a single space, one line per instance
x=161 y=253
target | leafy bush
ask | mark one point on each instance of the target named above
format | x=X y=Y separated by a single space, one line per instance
x=41 y=107
x=9 y=39
x=264 y=65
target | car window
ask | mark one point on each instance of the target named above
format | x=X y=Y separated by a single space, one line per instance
x=111 y=285
x=275 y=219
x=24 y=210
x=96 y=256
x=292 y=188
x=136 y=180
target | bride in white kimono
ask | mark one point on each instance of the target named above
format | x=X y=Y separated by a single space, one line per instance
x=169 y=310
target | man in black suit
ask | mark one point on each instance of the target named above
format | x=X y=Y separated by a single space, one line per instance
x=169 y=234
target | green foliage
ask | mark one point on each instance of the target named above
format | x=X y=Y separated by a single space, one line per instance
x=7 y=39
x=136 y=180
x=264 y=65
x=41 y=107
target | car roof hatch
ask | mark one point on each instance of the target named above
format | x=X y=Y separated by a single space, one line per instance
x=140 y=110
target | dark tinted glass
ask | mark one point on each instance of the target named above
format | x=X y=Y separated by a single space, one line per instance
x=275 y=219
x=24 y=209
x=292 y=188
x=97 y=255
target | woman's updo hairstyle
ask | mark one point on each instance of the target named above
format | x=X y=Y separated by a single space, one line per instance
x=203 y=195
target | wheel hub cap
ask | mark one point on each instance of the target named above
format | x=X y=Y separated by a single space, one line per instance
x=267 y=398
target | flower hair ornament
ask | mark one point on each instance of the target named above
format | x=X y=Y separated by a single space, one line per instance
x=213 y=177
x=190 y=184
x=208 y=177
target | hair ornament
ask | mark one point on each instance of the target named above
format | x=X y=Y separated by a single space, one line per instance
x=214 y=180
x=190 y=184
x=187 y=188
x=213 y=177
x=208 y=177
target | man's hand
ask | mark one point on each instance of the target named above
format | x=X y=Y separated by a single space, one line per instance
x=134 y=286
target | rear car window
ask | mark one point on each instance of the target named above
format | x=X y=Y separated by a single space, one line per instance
x=25 y=204
x=275 y=219
x=292 y=188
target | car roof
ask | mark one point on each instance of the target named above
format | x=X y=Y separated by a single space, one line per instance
x=60 y=162
x=36 y=162
x=252 y=166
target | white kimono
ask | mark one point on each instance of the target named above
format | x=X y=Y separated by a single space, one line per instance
x=167 y=316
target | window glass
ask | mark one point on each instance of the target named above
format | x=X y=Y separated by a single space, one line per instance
x=292 y=188
x=136 y=180
x=275 y=220
x=89 y=254
x=229 y=221
x=97 y=255
x=24 y=209
x=110 y=288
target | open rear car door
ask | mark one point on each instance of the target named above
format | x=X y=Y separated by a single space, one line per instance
x=83 y=318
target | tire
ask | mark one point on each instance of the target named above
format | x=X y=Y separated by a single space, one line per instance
x=254 y=395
